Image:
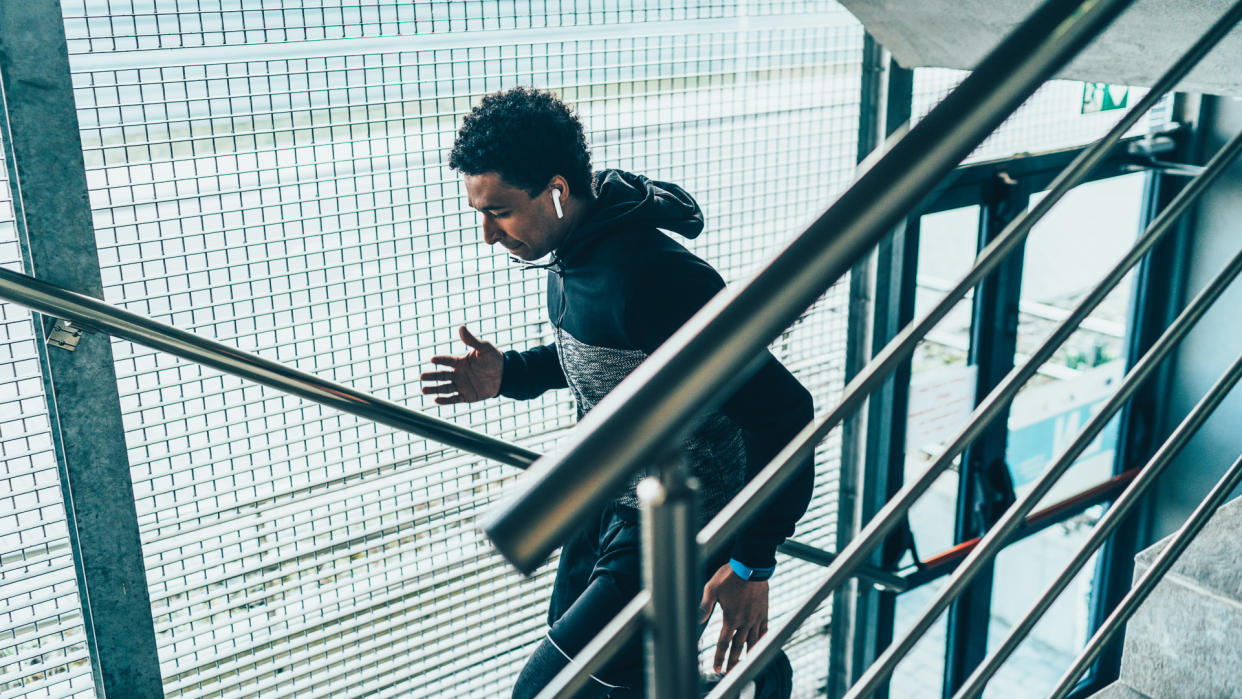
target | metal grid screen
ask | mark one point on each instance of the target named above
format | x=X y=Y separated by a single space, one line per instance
x=272 y=175
x=126 y=25
x=42 y=638
x=1051 y=119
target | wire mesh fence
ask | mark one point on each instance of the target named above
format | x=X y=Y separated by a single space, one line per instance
x=272 y=175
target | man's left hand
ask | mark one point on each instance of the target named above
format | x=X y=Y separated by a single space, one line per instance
x=744 y=605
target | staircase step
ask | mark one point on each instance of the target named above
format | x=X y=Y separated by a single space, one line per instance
x=1212 y=561
x=1119 y=690
x=1186 y=640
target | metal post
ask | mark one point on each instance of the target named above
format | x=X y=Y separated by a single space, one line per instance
x=670 y=573
x=38 y=118
x=984 y=488
x=871 y=611
x=885 y=458
x=852 y=482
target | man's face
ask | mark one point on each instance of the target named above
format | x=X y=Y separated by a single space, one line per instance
x=526 y=226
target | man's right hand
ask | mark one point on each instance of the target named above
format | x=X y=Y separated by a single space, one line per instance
x=472 y=377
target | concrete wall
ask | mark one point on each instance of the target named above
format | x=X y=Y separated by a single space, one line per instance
x=1210 y=347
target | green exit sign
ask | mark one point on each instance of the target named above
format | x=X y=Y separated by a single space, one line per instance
x=1102 y=97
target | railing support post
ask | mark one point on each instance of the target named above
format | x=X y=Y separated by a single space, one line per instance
x=671 y=573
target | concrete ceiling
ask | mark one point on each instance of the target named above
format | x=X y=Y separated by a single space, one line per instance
x=1140 y=45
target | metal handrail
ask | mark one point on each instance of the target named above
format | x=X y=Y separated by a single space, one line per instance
x=999 y=533
x=1147 y=584
x=777 y=472
x=709 y=356
x=1116 y=514
x=882 y=579
x=93 y=314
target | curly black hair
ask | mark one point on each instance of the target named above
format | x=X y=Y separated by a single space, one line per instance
x=526 y=136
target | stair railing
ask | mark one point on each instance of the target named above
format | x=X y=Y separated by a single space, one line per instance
x=644 y=418
x=778 y=472
x=701 y=362
x=1116 y=514
x=94 y=315
x=646 y=414
x=998 y=535
x=1002 y=530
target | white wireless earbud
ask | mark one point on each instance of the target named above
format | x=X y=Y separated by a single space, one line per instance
x=556 y=203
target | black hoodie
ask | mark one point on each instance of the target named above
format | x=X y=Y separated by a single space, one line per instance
x=617 y=289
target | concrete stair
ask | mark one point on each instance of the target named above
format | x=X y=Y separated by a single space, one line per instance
x=1139 y=47
x=1119 y=690
x=1185 y=642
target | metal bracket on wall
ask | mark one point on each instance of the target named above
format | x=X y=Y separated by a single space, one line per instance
x=64 y=335
x=1152 y=146
x=1146 y=153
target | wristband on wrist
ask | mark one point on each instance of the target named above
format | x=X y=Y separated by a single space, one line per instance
x=745 y=572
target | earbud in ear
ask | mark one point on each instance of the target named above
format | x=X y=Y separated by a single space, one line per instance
x=556 y=203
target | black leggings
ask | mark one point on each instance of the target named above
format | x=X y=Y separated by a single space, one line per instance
x=598 y=575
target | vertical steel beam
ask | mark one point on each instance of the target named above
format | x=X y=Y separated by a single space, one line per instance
x=886 y=439
x=863 y=616
x=984 y=487
x=46 y=169
x=841 y=631
x=671 y=573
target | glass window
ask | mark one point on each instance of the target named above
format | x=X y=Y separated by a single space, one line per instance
x=1066 y=256
x=942 y=394
x=1023 y=572
x=942 y=383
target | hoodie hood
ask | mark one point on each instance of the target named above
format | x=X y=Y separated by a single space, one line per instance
x=627 y=201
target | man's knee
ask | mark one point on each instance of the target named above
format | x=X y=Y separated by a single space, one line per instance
x=547 y=662
x=575 y=628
